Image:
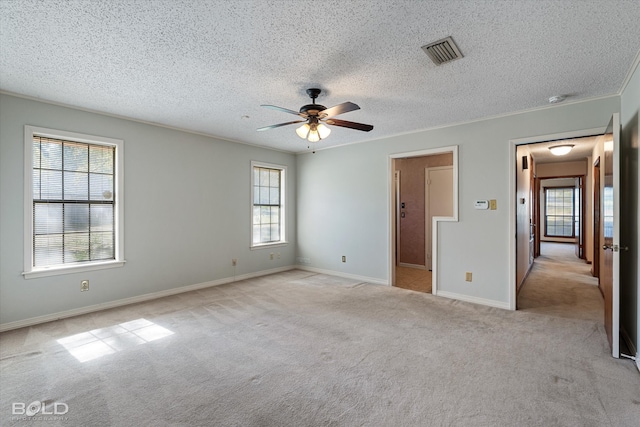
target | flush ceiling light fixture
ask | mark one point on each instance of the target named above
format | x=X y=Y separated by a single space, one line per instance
x=561 y=150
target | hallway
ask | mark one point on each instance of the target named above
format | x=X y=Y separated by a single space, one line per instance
x=560 y=284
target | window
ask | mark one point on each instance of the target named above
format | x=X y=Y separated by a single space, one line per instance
x=559 y=212
x=73 y=202
x=267 y=195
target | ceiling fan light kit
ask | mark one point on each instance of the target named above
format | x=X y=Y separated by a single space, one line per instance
x=317 y=117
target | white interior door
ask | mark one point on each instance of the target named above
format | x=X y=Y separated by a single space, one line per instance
x=610 y=231
x=438 y=202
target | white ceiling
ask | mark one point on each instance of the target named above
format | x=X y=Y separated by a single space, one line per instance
x=206 y=66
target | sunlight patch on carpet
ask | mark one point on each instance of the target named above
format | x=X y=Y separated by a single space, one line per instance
x=93 y=344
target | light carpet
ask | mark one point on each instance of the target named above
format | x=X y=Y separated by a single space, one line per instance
x=304 y=349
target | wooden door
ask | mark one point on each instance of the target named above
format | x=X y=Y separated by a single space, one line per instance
x=610 y=226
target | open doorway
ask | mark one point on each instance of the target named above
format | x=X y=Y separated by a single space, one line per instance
x=554 y=200
x=423 y=192
x=591 y=145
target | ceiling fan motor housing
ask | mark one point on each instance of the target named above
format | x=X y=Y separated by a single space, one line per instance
x=312 y=109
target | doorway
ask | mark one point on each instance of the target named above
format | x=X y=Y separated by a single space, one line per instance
x=553 y=198
x=604 y=143
x=414 y=217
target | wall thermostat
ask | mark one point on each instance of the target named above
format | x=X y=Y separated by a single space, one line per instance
x=481 y=204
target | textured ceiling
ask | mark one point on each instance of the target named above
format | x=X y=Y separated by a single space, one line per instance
x=206 y=66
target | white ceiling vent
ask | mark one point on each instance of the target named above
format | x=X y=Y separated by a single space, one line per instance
x=442 y=51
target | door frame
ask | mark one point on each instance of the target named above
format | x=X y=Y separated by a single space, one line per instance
x=513 y=144
x=392 y=211
x=429 y=248
x=595 y=264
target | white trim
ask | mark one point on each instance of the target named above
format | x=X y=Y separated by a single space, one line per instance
x=427 y=211
x=145 y=122
x=283 y=205
x=462 y=123
x=475 y=300
x=300 y=152
x=437 y=219
x=416 y=266
x=366 y=279
x=137 y=299
x=392 y=244
x=511 y=235
x=71 y=268
x=632 y=70
x=29 y=270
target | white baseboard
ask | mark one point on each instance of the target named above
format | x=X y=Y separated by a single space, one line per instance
x=417 y=266
x=345 y=275
x=475 y=300
x=133 y=300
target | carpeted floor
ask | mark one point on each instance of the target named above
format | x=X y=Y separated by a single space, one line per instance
x=561 y=284
x=304 y=349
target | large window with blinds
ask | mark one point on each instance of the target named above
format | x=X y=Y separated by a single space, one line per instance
x=267 y=210
x=559 y=211
x=73 y=213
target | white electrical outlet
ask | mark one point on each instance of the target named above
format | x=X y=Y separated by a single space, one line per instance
x=271 y=255
x=84 y=285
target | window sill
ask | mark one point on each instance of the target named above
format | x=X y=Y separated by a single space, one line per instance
x=268 y=245
x=56 y=271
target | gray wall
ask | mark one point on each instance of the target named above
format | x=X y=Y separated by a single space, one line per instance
x=187 y=211
x=343 y=198
x=187 y=205
x=630 y=207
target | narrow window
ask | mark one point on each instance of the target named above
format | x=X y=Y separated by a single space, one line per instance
x=559 y=212
x=72 y=196
x=267 y=195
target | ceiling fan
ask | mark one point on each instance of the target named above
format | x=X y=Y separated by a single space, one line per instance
x=317 y=116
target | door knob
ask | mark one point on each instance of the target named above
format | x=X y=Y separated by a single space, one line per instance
x=605 y=247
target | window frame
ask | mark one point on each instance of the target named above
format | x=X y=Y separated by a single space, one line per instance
x=34 y=272
x=573 y=209
x=283 y=176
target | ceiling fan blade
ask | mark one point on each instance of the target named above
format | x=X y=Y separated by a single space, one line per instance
x=345 y=107
x=280 y=124
x=350 y=125
x=284 y=110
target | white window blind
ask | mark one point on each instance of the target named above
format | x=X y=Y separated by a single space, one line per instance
x=72 y=202
x=268 y=204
